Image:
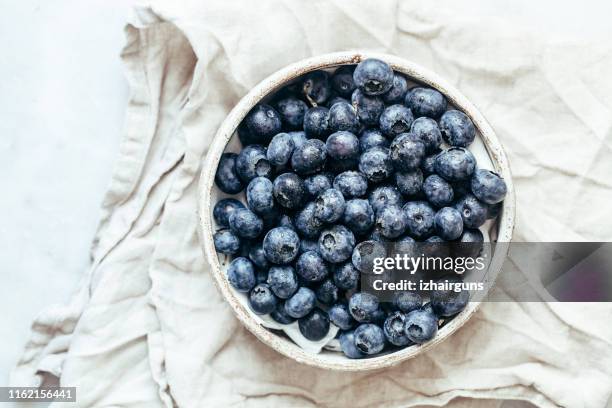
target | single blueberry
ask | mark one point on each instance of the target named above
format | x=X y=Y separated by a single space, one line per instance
x=315 y=325
x=406 y=302
x=488 y=186
x=395 y=120
x=301 y=303
x=383 y=196
x=263 y=122
x=311 y=267
x=473 y=211
x=340 y=316
x=241 y=274
x=346 y=276
x=421 y=326
x=226 y=242
x=259 y=195
x=410 y=182
x=280 y=314
x=372 y=138
x=369 y=338
x=347 y=345
x=427 y=131
x=289 y=190
x=223 y=209
x=298 y=137
x=343 y=116
x=438 y=191
x=373 y=76
x=342 y=80
x=316 y=122
x=428 y=166
x=245 y=136
x=358 y=216
x=226 y=177
x=426 y=102
x=336 y=99
x=253 y=162
x=292 y=112
x=398 y=91
x=316 y=87
x=262 y=300
x=280 y=149
x=309 y=245
x=470 y=244
x=281 y=245
x=342 y=145
x=336 y=244
x=376 y=235
x=406 y=152
x=363 y=306
x=435 y=247
x=317 y=184
x=419 y=219
x=258 y=256
x=310 y=157
x=428 y=308
x=283 y=281
x=329 y=205
x=365 y=254
x=351 y=184
x=245 y=223
x=447 y=303
x=306 y=223
x=455 y=164
x=448 y=223
x=394 y=329
x=392 y=221
x=376 y=164
x=457 y=129
x=327 y=292
x=369 y=108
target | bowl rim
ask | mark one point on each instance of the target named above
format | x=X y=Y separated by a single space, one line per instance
x=227 y=129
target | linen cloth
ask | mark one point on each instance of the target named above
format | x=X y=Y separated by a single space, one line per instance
x=147 y=326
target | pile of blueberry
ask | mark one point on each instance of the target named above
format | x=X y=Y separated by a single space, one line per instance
x=332 y=163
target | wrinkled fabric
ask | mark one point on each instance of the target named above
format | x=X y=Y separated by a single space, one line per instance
x=148 y=328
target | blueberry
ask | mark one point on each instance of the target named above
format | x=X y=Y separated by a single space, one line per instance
x=226 y=177
x=292 y=112
x=438 y=191
x=306 y=223
x=263 y=122
x=470 y=243
x=393 y=328
x=473 y=211
x=316 y=122
x=447 y=303
x=342 y=116
x=253 y=162
x=407 y=301
x=398 y=91
x=448 y=223
x=258 y=256
x=280 y=314
x=283 y=281
x=281 y=245
x=340 y=316
x=369 y=338
x=270 y=219
x=298 y=137
x=392 y=221
x=429 y=165
x=347 y=344
x=383 y=196
x=310 y=157
x=358 y=216
x=289 y=190
x=342 y=145
x=286 y=221
x=419 y=219
x=376 y=235
x=365 y=253
x=245 y=223
x=369 y=108
x=409 y=182
x=373 y=76
x=336 y=99
x=455 y=164
x=245 y=136
x=406 y=152
x=317 y=184
x=435 y=246
x=223 y=209
x=346 y=276
x=280 y=149
x=327 y=292
x=336 y=244
x=363 y=306
x=315 y=325
x=309 y=245
x=488 y=186
x=259 y=195
x=351 y=184
x=395 y=120
x=342 y=80
x=316 y=87
x=457 y=129
x=376 y=164
x=329 y=205
x=428 y=308
x=427 y=131
x=421 y=326
x=426 y=102
x=226 y=242
x=311 y=267
x=301 y=303
x=262 y=300
x=241 y=274
x=372 y=138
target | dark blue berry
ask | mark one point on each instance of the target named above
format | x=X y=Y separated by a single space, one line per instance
x=253 y=162
x=363 y=306
x=311 y=267
x=298 y=137
x=263 y=122
x=342 y=80
x=346 y=276
x=438 y=191
x=457 y=129
x=427 y=131
x=407 y=301
x=336 y=99
x=317 y=184
x=421 y=326
x=358 y=216
x=283 y=281
x=365 y=253
x=373 y=76
x=351 y=184
x=447 y=303
x=398 y=91
x=289 y=190
x=342 y=116
x=391 y=220
x=310 y=157
x=342 y=145
x=383 y=196
x=470 y=243
x=406 y=152
x=223 y=209
x=316 y=122
x=306 y=223
x=410 y=182
x=315 y=325
x=369 y=108
x=258 y=256
x=372 y=138
x=488 y=186
x=394 y=329
x=301 y=303
x=327 y=292
x=280 y=314
x=429 y=165
x=292 y=112
x=336 y=244
x=329 y=205
x=340 y=316
x=395 y=120
x=280 y=149
x=419 y=219
x=262 y=300
x=376 y=164
x=473 y=211
x=317 y=87
x=281 y=245
x=369 y=338
x=226 y=242
x=455 y=164
x=448 y=223
x=245 y=223
x=226 y=177
x=259 y=195
x=347 y=345
x=241 y=274
x=426 y=102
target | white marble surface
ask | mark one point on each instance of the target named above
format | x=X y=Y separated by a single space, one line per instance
x=62 y=101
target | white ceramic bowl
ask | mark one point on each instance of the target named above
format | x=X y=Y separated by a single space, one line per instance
x=209 y=194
